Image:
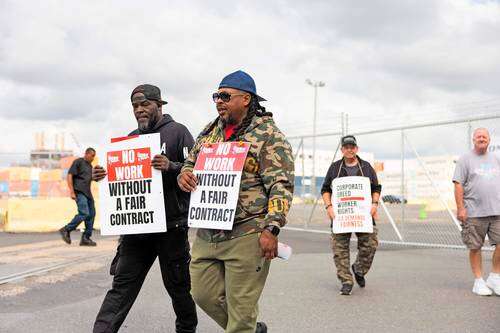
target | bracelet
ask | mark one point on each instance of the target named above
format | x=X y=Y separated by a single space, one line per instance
x=327 y=206
x=375 y=203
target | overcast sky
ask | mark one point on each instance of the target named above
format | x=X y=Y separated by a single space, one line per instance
x=68 y=66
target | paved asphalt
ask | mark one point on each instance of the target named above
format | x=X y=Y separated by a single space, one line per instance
x=408 y=290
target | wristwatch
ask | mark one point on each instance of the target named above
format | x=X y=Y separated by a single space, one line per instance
x=273 y=229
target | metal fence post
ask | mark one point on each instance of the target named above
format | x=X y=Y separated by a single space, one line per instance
x=342 y=123
x=445 y=204
x=316 y=198
x=391 y=220
x=402 y=177
x=346 y=128
x=469 y=135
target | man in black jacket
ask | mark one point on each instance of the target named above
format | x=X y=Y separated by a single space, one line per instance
x=137 y=253
x=352 y=165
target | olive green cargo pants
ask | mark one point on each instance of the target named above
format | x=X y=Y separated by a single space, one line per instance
x=227 y=279
x=367 y=246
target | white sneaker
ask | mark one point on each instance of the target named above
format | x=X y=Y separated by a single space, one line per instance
x=494 y=283
x=480 y=288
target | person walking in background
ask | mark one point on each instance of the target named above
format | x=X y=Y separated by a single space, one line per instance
x=79 y=179
x=477 y=195
x=352 y=165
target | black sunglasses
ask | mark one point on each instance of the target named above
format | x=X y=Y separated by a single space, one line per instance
x=224 y=96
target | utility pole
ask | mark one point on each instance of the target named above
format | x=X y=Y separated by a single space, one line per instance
x=315 y=85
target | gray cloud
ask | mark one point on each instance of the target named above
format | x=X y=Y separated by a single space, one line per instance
x=75 y=63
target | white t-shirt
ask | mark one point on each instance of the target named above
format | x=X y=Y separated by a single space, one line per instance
x=480 y=177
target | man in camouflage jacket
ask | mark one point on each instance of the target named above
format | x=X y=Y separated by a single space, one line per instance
x=229 y=267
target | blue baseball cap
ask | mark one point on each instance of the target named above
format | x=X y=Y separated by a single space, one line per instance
x=241 y=81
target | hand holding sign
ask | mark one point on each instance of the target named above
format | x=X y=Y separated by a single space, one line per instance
x=98 y=173
x=160 y=162
x=187 y=181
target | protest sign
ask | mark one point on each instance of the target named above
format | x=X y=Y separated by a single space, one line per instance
x=131 y=195
x=218 y=169
x=351 y=200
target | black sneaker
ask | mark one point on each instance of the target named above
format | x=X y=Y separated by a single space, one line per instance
x=261 y=327
x=360 y=279
x=346 y=289
x=65 y=235
x=86 y=241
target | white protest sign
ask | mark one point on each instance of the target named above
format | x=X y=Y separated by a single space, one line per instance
x=351 y=200
x=218 y=169
x=131 y=194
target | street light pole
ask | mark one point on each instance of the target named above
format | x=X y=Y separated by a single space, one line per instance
x=315 y=85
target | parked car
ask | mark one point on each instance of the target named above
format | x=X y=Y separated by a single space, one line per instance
x=394 y=199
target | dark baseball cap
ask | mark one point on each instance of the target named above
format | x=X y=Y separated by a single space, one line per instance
x=241 y=81
x=349 y=140
x=150 y=92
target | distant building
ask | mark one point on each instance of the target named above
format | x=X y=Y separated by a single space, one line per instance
x=42 y=157
x=48 y=158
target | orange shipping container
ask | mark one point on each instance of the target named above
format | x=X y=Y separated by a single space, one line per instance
x=19 y=173
x=63 y=187
x=49 y=189
x=4 y=175
x=51 y=175
x=378 y=166
x=66 y=162
x=19 y=186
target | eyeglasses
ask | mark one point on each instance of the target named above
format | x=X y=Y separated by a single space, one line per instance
x=224 y=96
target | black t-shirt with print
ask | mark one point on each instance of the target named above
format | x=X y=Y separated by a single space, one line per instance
x=82 y=176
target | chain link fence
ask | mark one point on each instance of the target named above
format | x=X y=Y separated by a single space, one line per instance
x=414 y=164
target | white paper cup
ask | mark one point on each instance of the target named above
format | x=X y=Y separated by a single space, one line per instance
x=284 y=251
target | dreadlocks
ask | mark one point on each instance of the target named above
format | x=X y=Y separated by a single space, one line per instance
x=254 y=109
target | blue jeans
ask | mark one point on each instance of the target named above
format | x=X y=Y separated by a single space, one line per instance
x=86 y=212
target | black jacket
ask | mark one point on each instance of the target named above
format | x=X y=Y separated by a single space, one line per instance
x=176 y=142
x=338 y=169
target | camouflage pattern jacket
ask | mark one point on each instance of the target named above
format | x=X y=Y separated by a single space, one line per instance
x=267 y=180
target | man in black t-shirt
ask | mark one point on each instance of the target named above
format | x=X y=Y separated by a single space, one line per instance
x=79 y=178
x=352 y=165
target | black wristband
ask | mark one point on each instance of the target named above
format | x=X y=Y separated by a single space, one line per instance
x=327 y=206
x=273 y=229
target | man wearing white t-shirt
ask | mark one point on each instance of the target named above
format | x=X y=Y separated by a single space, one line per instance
x=477 y=195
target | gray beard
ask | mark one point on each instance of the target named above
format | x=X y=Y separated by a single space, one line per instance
x=146 y=127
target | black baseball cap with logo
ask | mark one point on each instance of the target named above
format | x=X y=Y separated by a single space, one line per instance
x=150 y=92
x=349 y=140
